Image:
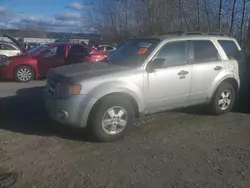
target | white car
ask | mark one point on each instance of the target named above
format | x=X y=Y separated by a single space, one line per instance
x=8 y=49
x=106 y=48
x=144 y=76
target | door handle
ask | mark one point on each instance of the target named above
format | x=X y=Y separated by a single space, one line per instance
x=217 y=68
x=183 y=73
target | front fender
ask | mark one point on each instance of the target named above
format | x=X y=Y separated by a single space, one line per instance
x=120 y=87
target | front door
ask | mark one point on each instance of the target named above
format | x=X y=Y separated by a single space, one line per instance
x=51 y=58
x=168 y=86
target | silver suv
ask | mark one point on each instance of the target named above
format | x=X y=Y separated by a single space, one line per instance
x=144 y=76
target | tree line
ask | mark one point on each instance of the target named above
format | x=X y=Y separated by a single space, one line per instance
x=118 y=20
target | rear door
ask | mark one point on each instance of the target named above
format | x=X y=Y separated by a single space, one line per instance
x=207 y=65
x=52 y=57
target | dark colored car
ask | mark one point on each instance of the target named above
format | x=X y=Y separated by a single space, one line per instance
x=36 y=62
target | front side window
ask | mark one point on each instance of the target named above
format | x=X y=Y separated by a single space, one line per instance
x=54 y=51
x=37 y=49
x=173 y=53
x=205 y=51
x=133 y=52
x=50 y=52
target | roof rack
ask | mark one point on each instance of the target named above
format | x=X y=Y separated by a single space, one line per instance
x=192 y=33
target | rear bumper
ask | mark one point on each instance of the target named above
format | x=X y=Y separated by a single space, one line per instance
x=73 y=111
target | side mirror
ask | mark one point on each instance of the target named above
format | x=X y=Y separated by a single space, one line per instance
x=155 y=64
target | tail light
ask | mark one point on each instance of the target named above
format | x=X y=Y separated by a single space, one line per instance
x=18 y=53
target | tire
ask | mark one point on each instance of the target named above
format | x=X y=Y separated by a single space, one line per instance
x=106 y=129
x=24 y=74
x=220 y=105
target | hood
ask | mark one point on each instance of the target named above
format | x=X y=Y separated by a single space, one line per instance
x=17 y=43
x=79 y=71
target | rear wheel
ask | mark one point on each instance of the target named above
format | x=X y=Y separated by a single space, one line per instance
x=112 y=118
x=223 y=99
x=24 y=74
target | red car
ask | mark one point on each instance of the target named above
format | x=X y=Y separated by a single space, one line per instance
x=36 y=62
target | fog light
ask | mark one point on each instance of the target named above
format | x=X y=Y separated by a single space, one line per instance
x=62 y=115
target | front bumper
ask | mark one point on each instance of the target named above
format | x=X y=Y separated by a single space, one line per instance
x=73 y=111
x=5 y=73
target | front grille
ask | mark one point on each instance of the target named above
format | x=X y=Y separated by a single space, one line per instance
x=51 y=88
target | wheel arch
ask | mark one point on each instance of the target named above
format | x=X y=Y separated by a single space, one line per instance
x=229 y=80
x=27 y=65
x=122 y=95
x=123 y=89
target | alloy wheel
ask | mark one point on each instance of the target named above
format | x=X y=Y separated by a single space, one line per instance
x=114 y=120
x=24 y=74
x=225 y=100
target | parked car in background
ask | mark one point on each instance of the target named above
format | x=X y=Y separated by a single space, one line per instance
x=8 y=49
x=36 y=62
x=106 y=48
x=144 y=76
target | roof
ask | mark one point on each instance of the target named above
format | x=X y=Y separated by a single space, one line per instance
x=165 y=37
x=190 y=35
x=8 y=43
x=67 y=43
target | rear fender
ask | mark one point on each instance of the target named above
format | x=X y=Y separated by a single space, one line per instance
x=217 y=81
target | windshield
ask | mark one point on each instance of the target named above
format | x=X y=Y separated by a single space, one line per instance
x=37 y=49
x=133 y=52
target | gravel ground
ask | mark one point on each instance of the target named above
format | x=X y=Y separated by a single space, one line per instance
x=183 y=149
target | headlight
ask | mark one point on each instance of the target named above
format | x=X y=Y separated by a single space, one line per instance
x=4 y=60
x=66 y=90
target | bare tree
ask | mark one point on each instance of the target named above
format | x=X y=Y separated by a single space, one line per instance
x=120 y=19
x=207 y=15
x=220 y=13
x=242 y=20
x=232 y=17
x=198 y=14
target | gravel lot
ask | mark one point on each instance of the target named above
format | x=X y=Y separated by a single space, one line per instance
x=183 y=149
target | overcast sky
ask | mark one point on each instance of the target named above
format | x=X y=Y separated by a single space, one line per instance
x=51 y=15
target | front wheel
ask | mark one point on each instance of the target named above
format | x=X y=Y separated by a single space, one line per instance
x=112 y=118
x=223 y=99
x=24 y=74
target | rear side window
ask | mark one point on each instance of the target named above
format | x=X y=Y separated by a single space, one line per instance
x=102 y=48
x=205 y=51
x=6 y=47
x=78 y=49
x=54 y=51
x=109 y=48
x=230 y=49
